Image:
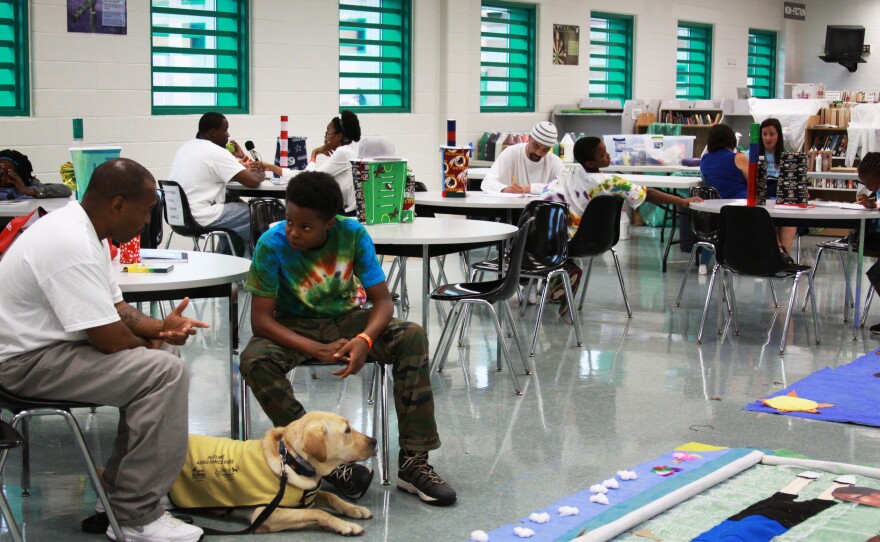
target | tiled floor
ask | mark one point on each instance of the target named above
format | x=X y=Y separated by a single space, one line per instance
x=636 y=389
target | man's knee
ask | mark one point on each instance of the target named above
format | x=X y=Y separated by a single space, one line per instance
x=168 y=367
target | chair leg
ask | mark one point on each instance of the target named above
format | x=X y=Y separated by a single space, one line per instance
x=791 y=297
x=25 y=456
x=383 y=406
x=468 y=311
x=773 y=293
x=868 y=299
x=847 y=295
x=815 y=314
x=9 y=517
x=370 y=396
x=525 y=296
x=687 y=272
x=569 y=299
x=512 y=323
x=708 y=300
x=629 y=311
x=813 y=273
x=168 y=242
x=538 y=319
x=446 y=336
x=586 y=283
x=503 y=344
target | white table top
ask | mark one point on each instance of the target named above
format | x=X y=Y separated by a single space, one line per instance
x=841 y=175
x=651 y=169
x=202 y=269
x=475 y=200
x=25 y=206
x=269 y=187
x=664 y=181
x=812 y=213
x=440 y=231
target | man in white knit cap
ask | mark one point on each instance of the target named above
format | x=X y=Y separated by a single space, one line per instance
x=526 y=167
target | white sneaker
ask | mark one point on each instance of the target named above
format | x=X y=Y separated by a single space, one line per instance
x=703 y=270
x=165 y=529
x=533 y=294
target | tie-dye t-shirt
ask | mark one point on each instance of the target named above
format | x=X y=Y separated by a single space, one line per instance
x=318 y=283
x=577 y=187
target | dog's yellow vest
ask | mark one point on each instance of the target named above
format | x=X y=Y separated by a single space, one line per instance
x=226 y=473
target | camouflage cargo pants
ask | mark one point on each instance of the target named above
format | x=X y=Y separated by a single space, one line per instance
x=403 y=345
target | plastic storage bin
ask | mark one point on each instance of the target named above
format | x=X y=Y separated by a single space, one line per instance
x=627 y=149
x=684 y=143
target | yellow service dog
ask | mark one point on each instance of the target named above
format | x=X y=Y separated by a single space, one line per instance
x=246 y=475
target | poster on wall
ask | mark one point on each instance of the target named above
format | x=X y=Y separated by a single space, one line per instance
x=566 y=42
x=97 y=16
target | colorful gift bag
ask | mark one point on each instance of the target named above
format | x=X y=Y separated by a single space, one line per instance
x=16 y=227
x=130 y=252
x=792 y=187
x=297 y=155
x=761 y=186
x=379 y=187
x=455 y=166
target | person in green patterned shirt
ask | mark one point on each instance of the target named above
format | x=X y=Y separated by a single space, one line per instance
x=309 y=278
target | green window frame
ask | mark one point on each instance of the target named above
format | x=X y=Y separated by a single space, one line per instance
x=611 y=56
x=762 y=63
x=15 y=95
x=693 y=73
x=199 y=56
x=375 y=52
x=507 y=57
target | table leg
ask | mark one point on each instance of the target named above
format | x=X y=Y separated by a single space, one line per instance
x=858 y=279
x=237 y=425
x=426 y=285
x=669 y=242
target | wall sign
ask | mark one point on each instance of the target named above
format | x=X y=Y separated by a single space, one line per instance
x=794 y=11
x=97 y=16
x=566 y=43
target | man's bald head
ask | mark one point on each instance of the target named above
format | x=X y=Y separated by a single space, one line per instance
x=119 y=177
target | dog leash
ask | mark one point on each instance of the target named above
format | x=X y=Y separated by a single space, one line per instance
x=286 y=459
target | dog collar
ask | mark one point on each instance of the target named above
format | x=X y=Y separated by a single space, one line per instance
x=295 y=462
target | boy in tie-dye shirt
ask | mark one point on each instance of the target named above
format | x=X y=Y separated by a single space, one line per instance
x=309 y=277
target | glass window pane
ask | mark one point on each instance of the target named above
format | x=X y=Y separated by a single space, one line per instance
x=762 y=63
x=694 y=61
x=14 y=59
x=611 y=56
x=507 y=57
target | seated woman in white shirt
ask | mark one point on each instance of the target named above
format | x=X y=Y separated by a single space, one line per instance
x=340 y=145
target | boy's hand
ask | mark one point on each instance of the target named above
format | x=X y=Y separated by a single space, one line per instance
x=355 y=352
x=688 y=201
x=326 y=353
x=867 y=202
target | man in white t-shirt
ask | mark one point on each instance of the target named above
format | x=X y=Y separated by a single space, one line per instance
x=202 y=167
x=526 y=167
x=66 y=334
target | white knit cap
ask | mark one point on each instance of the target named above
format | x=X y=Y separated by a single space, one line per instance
x=544 y=133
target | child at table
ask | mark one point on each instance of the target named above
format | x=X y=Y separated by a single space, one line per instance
x=309 y=278
x=771 y=146
x=17 y=180
x=578 y=186
x=869 y=181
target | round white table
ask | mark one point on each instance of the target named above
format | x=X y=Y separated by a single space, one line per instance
x=474 y=203
x=651 y=169
x=204 y=275
x=267 y=189
x=824 y=214
x=434 y=237
x=23 y=207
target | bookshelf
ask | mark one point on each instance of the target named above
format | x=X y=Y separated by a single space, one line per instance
x=821 y=135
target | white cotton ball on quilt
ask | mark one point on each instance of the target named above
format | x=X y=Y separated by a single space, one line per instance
x=568 y=511
x=599 y=498
x=611 y=483
x=539 y=518
x=598 y=488
x=479 y=536
x=627 y=475
x=523 y=532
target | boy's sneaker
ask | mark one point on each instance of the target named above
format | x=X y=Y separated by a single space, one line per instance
x=703 y=269
x=416 y=476
x=352 y=480
x=875 y=329
x=165 y=529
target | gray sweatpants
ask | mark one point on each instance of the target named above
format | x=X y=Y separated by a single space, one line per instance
x=150 y=388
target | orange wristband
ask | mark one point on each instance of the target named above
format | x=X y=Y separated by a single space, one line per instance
x=367 y=338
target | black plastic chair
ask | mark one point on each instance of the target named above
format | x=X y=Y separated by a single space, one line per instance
x=9 y=438
x=264 y=212
x=747 y=246
x=488 y=294
x=598 y=233
x=179 y=217
x=23 y=409
x=151 y=237
x=545 y=256
x=704 y=227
